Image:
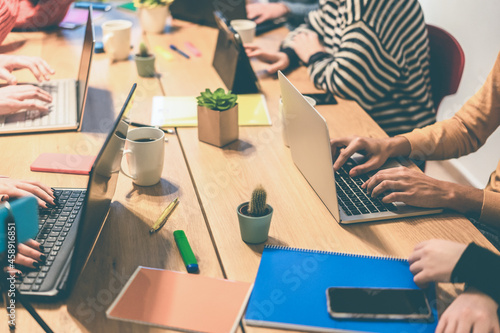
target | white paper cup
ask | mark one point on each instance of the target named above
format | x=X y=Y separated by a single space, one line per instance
x=245 y=28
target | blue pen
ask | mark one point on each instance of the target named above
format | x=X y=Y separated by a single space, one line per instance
x=173 y=47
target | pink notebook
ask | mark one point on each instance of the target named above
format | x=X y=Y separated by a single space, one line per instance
x=63 y=163
x=181 y=301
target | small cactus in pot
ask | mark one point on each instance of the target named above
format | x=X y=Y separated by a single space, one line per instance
x=145 y=61
x=255 y=217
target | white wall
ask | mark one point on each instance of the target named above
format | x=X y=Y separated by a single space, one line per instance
x=476 y=25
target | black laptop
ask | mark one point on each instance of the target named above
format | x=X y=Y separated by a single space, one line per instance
x=70 y=230
x=231 y=61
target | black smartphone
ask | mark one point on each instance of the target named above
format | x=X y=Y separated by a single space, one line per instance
x=377 y=303
x=323 y=98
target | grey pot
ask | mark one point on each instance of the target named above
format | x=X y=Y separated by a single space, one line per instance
x=254 y=230
x=145 y=65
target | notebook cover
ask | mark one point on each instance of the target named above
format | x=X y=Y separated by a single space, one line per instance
x=63 y=163
x=181 y=301
x=290 y=290
x=182 y=111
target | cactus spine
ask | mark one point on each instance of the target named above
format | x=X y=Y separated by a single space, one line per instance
x=258 y=205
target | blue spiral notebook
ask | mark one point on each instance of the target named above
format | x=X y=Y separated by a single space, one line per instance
x=290 y=290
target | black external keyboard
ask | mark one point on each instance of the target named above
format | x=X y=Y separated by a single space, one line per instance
x=54 y=225
x=352 y=198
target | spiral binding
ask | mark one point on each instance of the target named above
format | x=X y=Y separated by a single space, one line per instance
x=278 y=247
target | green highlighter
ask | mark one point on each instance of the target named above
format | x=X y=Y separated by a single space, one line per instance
x=186 y=252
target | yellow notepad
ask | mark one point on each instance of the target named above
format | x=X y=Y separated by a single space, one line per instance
x=181 y=111
x=181 y=301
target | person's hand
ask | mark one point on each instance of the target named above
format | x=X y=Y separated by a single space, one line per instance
x=39 y=67
x=434 y=260
x=261 y=12
x=30 y=254
x=13 y=188
x=376 y=151
x=471 y=311
x=276 y=60
x=20 y=97
x=409 y=186
x=306 y=44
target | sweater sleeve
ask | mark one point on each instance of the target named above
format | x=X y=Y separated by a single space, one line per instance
x=44 y=13
x=479 y=268
x=8 y=13
x=467 y=130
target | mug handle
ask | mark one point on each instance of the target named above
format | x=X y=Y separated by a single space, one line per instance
x=125 y=152
x=107 y=41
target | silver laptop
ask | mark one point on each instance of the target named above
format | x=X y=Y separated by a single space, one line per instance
x=309 y=141
x=68 y=98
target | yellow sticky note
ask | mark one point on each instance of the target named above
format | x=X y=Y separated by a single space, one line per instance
x=181 y=111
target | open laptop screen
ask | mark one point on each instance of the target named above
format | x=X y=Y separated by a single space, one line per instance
x=85 y=61
x=102 y=184
x=231 y=61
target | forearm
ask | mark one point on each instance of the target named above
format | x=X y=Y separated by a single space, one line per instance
x=398 y=146
x=464 y=199
x=300 y=9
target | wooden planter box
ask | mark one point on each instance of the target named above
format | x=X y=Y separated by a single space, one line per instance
x=217 y=128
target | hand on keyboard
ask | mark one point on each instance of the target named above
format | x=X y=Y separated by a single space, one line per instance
x=23 y=97
x=412 y=187
x=376 y=151
x=29 y=255
x=39 y=67
x=13 y=188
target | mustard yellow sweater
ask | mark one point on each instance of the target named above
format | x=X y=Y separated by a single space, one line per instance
x=466 y=132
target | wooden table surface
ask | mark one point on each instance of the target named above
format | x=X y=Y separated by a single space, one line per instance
x=210 y=182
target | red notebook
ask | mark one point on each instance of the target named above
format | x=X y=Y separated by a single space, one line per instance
x=63 y=163
x=181 y=301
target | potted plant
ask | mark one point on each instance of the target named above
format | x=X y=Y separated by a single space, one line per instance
x=153 y=14
x=255 y=217
x=217 y=117
x=145 y=62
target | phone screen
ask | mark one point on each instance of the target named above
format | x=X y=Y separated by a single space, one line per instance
x=377 y=303
x=323 y=98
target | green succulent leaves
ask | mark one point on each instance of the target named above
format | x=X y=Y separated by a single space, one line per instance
x=218 y=100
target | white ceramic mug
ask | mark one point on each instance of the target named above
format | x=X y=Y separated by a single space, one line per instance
x=144 y=151
x=245 y=28
x=284 y=119
x=116 y=38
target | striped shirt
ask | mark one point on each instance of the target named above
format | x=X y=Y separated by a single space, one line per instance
x=377 y=53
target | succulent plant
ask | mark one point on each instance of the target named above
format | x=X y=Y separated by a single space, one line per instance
x=258 y=206
x=218 y=100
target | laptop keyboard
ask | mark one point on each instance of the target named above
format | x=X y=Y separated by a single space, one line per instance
x=54 y=225
x=59 y=110
x=353 y=199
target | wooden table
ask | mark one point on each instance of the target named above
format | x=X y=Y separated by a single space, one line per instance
x=210 y=182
